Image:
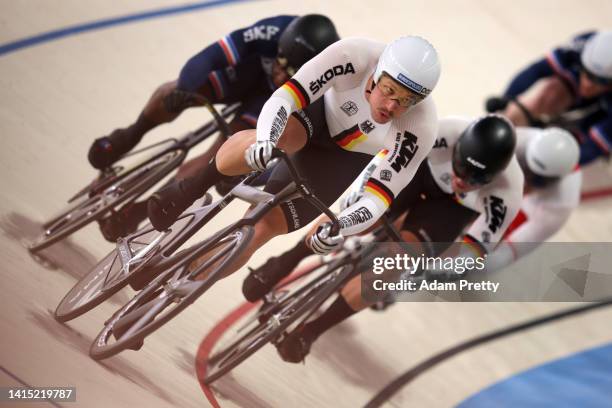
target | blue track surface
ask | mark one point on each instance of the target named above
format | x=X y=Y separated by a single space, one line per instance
x=582 y=380
x=109 y=22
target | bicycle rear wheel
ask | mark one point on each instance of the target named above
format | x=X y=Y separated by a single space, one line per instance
x=168 y=294
x=270 y=321
x=87 y=209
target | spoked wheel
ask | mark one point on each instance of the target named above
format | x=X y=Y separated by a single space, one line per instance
x=87 y=209
x=170 y=293
x=114 y=270
x=104 y=179
x=283 y=307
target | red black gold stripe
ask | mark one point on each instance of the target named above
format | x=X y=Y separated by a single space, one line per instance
x=379 y=190
x=475 y=245
x=299 y=95
x=349 y=138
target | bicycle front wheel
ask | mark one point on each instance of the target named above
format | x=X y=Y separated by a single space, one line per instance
x=168 y=294
x=286 y=307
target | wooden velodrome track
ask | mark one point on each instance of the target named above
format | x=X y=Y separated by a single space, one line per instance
x=55 y=97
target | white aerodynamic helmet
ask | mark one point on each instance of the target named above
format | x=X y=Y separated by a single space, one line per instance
x=413 y=62
x=596 y=57
x=552 y=153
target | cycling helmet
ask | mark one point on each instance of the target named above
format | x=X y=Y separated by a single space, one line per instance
x=411 y=61
x=596 y=57
x=550 y=155
x=484 y=149
x=305 y=37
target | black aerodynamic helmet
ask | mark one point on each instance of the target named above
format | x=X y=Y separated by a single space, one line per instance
x=305 y=37
x=484 y=149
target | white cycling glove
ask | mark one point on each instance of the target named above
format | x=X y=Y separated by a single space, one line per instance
x=322 y=243
x=259 y=154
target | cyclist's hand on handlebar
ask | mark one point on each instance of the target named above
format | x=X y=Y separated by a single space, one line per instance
x=322 y=243
x=259 y=154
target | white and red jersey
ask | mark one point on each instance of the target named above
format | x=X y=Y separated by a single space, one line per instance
x=341 y=75
x=497 y=202
x=543 y=211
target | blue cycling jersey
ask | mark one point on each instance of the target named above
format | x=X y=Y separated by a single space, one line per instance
x=593 y=132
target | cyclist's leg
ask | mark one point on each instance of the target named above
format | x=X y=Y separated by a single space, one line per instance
x=127 y=219
x=549 y=96
x=166 y=103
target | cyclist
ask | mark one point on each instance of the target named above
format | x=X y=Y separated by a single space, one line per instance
x=245 y=66
x=549 y=161
x=471 y=179
x=576 y=77
x=355 y=100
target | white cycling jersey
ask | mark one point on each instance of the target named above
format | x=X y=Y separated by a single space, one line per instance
x=497 y=202
x=341 y=73
x=543 y=212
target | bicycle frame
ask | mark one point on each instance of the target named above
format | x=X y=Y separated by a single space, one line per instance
x=262 y=202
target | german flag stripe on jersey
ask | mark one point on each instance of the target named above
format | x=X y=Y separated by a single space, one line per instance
x=349 y=138
x=474 y=245
x=379 y=190
x=382 y=153
x=299 y=95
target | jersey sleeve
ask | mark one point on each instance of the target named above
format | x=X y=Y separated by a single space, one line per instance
x=398 y=164
x=342 y=64
x=260 y=38
x=527 y=77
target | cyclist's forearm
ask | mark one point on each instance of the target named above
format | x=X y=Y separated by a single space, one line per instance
x=362 y=215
